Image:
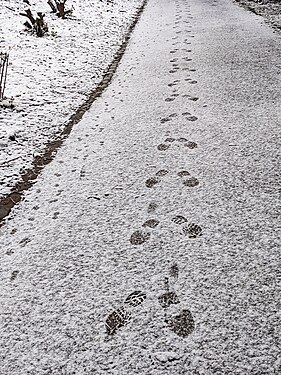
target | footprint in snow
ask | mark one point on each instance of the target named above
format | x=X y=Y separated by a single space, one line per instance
x=168 y=118
x=189 y=181
x=178 y=142
x=181 y=322
x=189 y=116
x=190 y=229
x=142 y=235
x=122 y=316
x=152 y=181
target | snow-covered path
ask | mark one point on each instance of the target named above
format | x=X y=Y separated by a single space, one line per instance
x=166 y=188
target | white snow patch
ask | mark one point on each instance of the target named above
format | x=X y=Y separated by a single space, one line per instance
x=167 y=356
x=50 y=77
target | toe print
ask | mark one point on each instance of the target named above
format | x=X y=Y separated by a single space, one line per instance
x=163 y=147
x=189 y=97
x=190 y=144
x=151 y=223
x=179 y=219
x=165 y=119
x=136 y=298
x=150 y=182
x=152 y=207
x=162 y=173
x=182 y=140
x=189 y=117
x=170 y=140
x=183 y=173
x=116 y=320
x=174 y=271
x=182 y=324
x=192 y=230
x=142 y=235
x=139 y=237
x=168 y=299
x=174 y=83
x=191 y=182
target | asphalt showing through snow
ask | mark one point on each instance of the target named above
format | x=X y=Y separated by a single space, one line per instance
x=150 y=244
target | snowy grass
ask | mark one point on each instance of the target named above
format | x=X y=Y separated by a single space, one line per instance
x=50 y=77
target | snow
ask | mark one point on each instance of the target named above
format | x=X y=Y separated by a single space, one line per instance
x=269 y=9
x=66 y=258
x=50 y=77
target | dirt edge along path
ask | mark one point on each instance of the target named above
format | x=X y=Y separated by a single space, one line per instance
x=29 y=176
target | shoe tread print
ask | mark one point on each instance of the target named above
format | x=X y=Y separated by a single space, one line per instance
x=136 y=298
x=151 y=223
x=139 y=237
x=116 y=320
x=182 y=324
x=179 y=219
x=191 y=182
x=192 y=230
x=168 y=298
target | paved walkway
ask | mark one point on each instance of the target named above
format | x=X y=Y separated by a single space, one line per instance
x=149 y=245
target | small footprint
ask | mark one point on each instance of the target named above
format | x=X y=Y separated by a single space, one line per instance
x=150 y=182
x=162 y=172
x=168 y=118
x=189 y=97
x=168 y=299
x=135 y=299
x=141 y=236
x=179 y=220
x=151 y=223
x=191 y=182
x=191 y=81
x=182 y=324
x=168 y=141
x=189 y=117
x=183 y=173
x=170 y=99
x=152 y=207
x=14 y=275
x=163 y=147
x=191 y=230
x=175 y=83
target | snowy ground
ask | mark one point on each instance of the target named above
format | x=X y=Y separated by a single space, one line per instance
x=50 y=77
x=269 y=9
x=167 y=189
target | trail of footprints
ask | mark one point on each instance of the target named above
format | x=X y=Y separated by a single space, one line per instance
x=180 y=323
